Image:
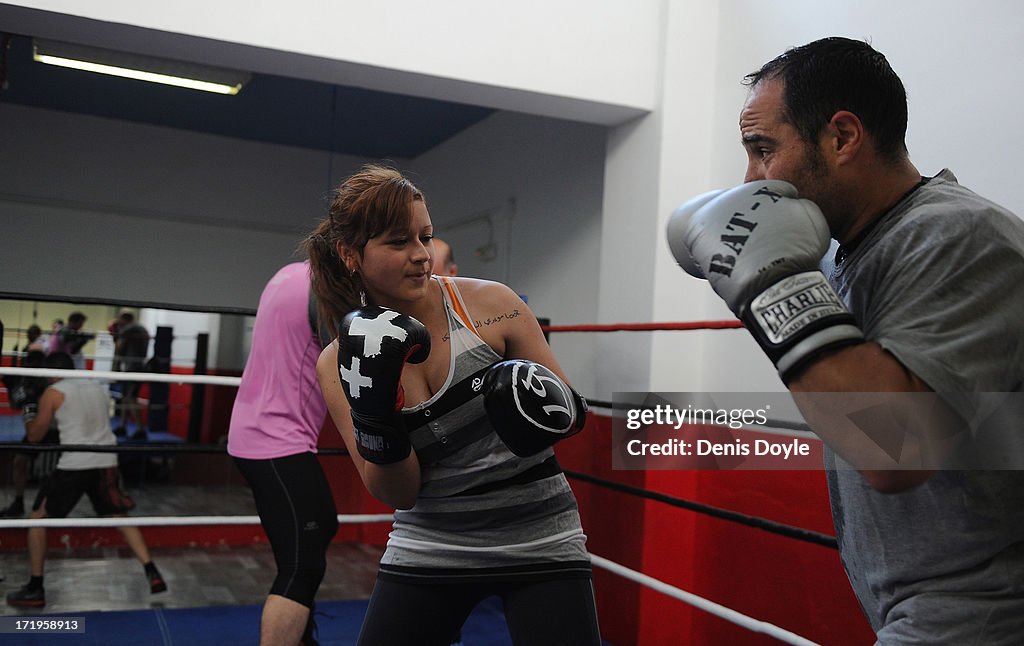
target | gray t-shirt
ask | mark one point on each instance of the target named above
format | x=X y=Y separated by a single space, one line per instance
x=939 y=283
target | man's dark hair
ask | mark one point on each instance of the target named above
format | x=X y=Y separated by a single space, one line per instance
x=76 y=317
x=59 y=360
x=833 y=74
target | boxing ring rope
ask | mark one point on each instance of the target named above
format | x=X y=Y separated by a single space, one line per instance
x=645 y=327
x=797 y=533
x=169 y=521
x=106 y=375
x=728 y=614
x=148 y=447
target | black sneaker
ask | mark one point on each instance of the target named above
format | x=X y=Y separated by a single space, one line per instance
x=156 y=583
x=14 y=510
x=27 y=598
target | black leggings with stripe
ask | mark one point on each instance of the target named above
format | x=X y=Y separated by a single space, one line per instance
x=297 y=511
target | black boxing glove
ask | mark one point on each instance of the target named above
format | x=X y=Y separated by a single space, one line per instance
x=374 y=343
x=530 y=407
x=16 y=392
x=29 y=412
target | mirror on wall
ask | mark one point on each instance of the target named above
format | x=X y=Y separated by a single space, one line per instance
x=228 y=334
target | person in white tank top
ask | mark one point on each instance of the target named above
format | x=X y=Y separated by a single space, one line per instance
x=81 y=409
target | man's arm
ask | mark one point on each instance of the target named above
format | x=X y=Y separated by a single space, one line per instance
x=77 y=340
x=759 y=246
x=37 y=426
x=915 y=424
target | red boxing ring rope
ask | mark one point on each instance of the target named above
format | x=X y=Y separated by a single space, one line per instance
x=644 y=327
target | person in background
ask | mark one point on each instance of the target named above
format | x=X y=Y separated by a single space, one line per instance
x=81 y=408
x=273 y=433
x=69 y=339
x=47 y=338
x=23 y=394
x=444 y=260
x=34 y=340
x=131 y=345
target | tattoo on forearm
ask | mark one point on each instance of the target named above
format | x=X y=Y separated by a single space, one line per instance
x=507 y=316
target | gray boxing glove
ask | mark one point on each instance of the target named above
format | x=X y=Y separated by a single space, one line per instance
x=679 y=220
x=759 y=246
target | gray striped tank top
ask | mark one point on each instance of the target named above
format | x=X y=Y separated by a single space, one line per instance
x=482 y=511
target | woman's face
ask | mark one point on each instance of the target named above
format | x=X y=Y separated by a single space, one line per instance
x=396 y=265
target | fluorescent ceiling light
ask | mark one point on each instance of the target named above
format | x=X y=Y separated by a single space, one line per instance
x=143 y=68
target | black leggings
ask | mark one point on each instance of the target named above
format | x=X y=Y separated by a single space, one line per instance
x=560 y=611
x=298 y=514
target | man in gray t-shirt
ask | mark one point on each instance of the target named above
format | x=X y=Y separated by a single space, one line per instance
x=937 y=284
x=923 y=297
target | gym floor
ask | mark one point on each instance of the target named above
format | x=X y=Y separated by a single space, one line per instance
x=108 y=578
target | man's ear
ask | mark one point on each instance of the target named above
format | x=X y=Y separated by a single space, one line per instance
x=848 y=135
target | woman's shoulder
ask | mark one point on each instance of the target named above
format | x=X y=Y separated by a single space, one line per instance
x=327 y=362
x=496 y=310
x=483 y=292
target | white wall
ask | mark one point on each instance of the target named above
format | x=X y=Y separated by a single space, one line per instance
x=648 y=161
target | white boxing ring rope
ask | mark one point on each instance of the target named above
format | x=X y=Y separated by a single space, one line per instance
x=169 y=521
x=106 y=375
x=722 y=612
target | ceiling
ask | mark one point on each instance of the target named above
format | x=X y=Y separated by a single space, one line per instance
x=272 y=109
